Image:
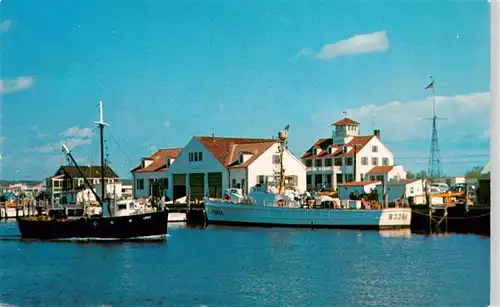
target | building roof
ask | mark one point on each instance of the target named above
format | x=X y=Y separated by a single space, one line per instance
x=88 y=171
x=380 y=170
x=159 y=159
x=358 y=183
x=226 y=149
x=345 y=121
x=359 y=141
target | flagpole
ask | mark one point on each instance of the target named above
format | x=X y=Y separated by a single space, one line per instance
x=433 y=98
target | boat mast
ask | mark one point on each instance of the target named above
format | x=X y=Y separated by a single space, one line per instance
x=283 y=137
x=81 y=173
x=101 y=124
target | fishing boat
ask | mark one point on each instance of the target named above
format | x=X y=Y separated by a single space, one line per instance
x=265 y=206
x=110 y=220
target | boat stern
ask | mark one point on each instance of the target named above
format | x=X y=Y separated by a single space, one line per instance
x=395 y=218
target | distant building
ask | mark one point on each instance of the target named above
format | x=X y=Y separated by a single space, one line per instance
x=345 y=157
x=149 y=178
x=386 y=173
x=207 y=166
x=127 y=188
x=67 y=182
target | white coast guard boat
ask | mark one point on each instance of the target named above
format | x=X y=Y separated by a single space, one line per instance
x=265 y=206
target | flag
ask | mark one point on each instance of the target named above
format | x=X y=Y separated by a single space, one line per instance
x=431 y=85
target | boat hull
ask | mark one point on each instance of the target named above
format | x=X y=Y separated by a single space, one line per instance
x=141 y=226
x=221 y=212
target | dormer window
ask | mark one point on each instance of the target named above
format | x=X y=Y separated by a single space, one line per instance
x=168 y=162
x=329 y=150
x=240 y=158
x=344 y=149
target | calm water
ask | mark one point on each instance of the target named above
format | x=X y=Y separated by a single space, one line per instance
x=222 y=266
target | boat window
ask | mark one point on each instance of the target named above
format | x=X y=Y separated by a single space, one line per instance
x=131 y=206
x=122 y=207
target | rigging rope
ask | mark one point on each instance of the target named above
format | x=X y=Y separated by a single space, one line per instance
x=119 y=146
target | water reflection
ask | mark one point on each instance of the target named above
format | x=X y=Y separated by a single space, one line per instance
x=390 y=233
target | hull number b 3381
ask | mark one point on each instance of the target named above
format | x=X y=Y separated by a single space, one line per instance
x=398 y=216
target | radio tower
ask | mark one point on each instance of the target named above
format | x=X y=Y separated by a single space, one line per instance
x=435 y=170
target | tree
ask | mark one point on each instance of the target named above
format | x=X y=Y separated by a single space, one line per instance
x=475 y=172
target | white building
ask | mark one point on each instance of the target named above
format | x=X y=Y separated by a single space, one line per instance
x=127 y=188
x=149 y=178
x=210 y=165
x=403 y=189
x=386 y=173
x=398 y=190
x=344 y=157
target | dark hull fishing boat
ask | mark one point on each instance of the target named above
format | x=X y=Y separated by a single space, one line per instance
x=143 y=226
x=147 y=226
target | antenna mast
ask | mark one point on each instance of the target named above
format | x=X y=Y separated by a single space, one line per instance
x=435 y=168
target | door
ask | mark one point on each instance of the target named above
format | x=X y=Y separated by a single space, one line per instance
x=179 y=185
x=197 y=186
x=215 y=185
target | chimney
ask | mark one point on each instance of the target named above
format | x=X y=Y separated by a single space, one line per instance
x=376 y=133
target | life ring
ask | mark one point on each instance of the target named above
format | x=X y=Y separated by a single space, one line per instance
x=281 y=202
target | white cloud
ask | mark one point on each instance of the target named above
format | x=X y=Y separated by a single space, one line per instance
x=167 y=124
x=362 y=43
x=78 y=132
x=38 y=133
x=16 y=84
x=467 y=117
x=5 y=25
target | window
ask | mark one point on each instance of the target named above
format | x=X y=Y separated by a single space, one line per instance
x=375 y=160
x=348 y=161
x=168 y=162
x=374 y=148
x=260 y=179
x=140 y=184
x=233 y=183
x=348 y=178
x=385 y=161
x=364 y=161
x=318 y=163
x=329 y=150
x=340 y=178
x=380 y=178
x=276 y=159
x=372 y=178
x=338 y=161
x=309 y=179
x=195 y=156
x=309 y=162
x=362 y=177
x=328 y=162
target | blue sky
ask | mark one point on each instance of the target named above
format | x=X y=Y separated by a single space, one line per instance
x=168 y=70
